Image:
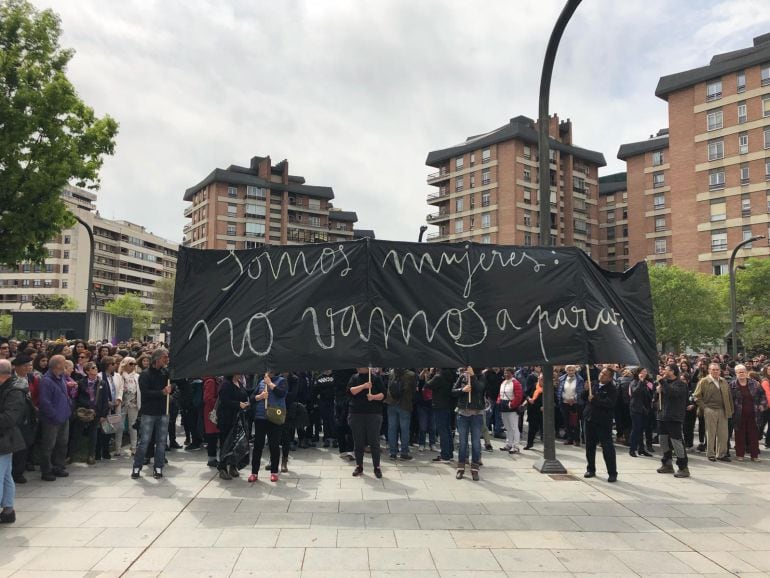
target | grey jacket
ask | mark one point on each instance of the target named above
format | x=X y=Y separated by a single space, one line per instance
x=11 y=413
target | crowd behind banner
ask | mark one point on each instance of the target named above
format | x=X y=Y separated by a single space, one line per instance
x=64 y=401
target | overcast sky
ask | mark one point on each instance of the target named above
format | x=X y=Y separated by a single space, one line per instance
x=355 y=93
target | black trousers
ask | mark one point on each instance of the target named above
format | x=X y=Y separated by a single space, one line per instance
x=689 y=427
x=262 y=429
x=600 y=433
x=190 y=421
x=212 y=440
x=287 y=437
x=366 y=432
x=534 y=423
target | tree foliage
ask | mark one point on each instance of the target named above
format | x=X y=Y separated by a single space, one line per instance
x=6 y=320
x=690 y=308
x=54 y=303
x=164 y=298
x=753 y=303
x=129 y=305
x=48 y=135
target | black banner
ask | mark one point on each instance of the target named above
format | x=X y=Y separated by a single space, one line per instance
x=391 y=304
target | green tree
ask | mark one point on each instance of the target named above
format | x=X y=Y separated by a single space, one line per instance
x=129 y=305
x=48 y=135
x=163 y=295
x=753 y=303
x=54 y=303
x=6 y=320
x=690 y=309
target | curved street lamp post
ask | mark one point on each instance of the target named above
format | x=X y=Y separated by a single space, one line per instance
x=733 y=305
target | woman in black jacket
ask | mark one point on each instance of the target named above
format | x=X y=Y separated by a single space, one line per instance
x=94 y=394
x=232 y=399
x=640 y=406
x=469 y=391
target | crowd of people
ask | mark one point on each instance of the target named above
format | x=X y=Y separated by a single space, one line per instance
x=74 y=400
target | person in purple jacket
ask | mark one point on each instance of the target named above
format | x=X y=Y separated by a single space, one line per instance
x=55 y=410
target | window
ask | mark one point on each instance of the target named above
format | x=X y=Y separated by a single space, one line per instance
x=486 y=220
x=716 y=150
x=658 y=202
x=64 y=284
x=485 y=177
x=471 y=201
x=459 y=163
x=459 y=226
x=745 y=173
x=660 y=224
x=746 y=206
x=720 y=268
x=312 y=220
x=742 y=114
x=657 y=158
x=486 y=239
x=718 y=210
x=255 y=210
x=232 y=192
x=253 y=192
x=527 y=152
x=255 y=229
x=527 y=175
x=714 y=120
x=67 y=239
x=459 y=184
x=740 y=81
x=473 y=180
x=658 y=179
x=578 y=184
x=527 y=196
x=314 y=204
x=746 y=236
x=48 y=268
x=767 y=138
x=528 y=217
x=472 y=222
x=660 y=246
x=610 y=199
x=486 y=155
x=485 y=198
x=232 y=210
x=65 y=269
x=231 y=230
x=766 y=105
x=66 y=255
x=767 y=169
x=743 y=143
x=768 y=201
x=764 y=75
x=714 y=90
x=717 y=179
x=459 y=205
x=611 y=233
x=611 y=216
x=527 y=238
x=719 y=240
x=473 y=159
x=47 y=283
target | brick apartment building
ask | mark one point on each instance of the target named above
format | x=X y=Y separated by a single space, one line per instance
x=128 y=259
x=614 y=228
x=487 y=188
x=704 y=186
x=247 y=207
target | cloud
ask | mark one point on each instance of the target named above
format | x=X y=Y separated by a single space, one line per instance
x=355 y=93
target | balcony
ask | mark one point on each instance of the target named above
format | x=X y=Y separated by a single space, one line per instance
x=188 y=211
x=437 y=196
x=186 y=228
x=441 y=175
x=437 y=216
x=436 y=237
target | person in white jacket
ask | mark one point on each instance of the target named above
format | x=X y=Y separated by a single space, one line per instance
x=127 y=391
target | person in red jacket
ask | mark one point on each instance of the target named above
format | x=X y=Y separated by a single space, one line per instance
x=508 y=401
x=210 y=429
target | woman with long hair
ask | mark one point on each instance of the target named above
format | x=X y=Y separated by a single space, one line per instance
x=640 y=393
x=127 y=390
x=273 y=388
x=232 y=399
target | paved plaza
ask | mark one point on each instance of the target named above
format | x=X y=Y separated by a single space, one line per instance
x=418 y=521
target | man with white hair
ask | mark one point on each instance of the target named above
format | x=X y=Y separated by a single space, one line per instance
x=55 y=408
x=712 y=394
x=569 y=394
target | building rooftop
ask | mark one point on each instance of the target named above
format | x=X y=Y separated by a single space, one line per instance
x=340 y=215
x=654 y=143
x=520 y=127
x=720 y=64
x=236 y=175
x=612 y=187
x=363 y=234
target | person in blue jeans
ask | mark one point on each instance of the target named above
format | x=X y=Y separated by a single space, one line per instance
x=155 y=389
x=402 y=385
x=469 y=391
x=440 y=383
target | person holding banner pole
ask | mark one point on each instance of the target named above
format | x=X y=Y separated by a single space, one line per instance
x=600 y=400
x=469 y=390
x=155 y=390
x=366 y=392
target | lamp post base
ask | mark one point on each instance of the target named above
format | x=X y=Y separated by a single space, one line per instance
x=546 y=466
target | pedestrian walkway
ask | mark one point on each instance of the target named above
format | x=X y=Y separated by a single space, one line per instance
x=418 y=521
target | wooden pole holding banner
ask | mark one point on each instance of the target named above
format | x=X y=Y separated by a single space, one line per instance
x=168 y=399
x=588 y=379
x=470 y=383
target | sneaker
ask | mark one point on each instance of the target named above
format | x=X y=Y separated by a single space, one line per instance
x=489 y=448
x=212 y=463
x=475 y=475
x=432 y=447
x=273 y=477
x=224 y=475
x=528 y=447
x=666 y=469
x=755 y=459
x=377 y=473
x=253 y=478
x=134 y=473
x=589 y=475
x=682 y=473
x=439 y=459
x=712 y=459
x=506 y=448
x=724 y=459
x=8 y=517
x=406 y=457
x=393 y=456
x=421 y=449
x=61 y=473
x=158 y=474
x=358 y=471
x=49 y=477
x=614 y=478
x=193 y=447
